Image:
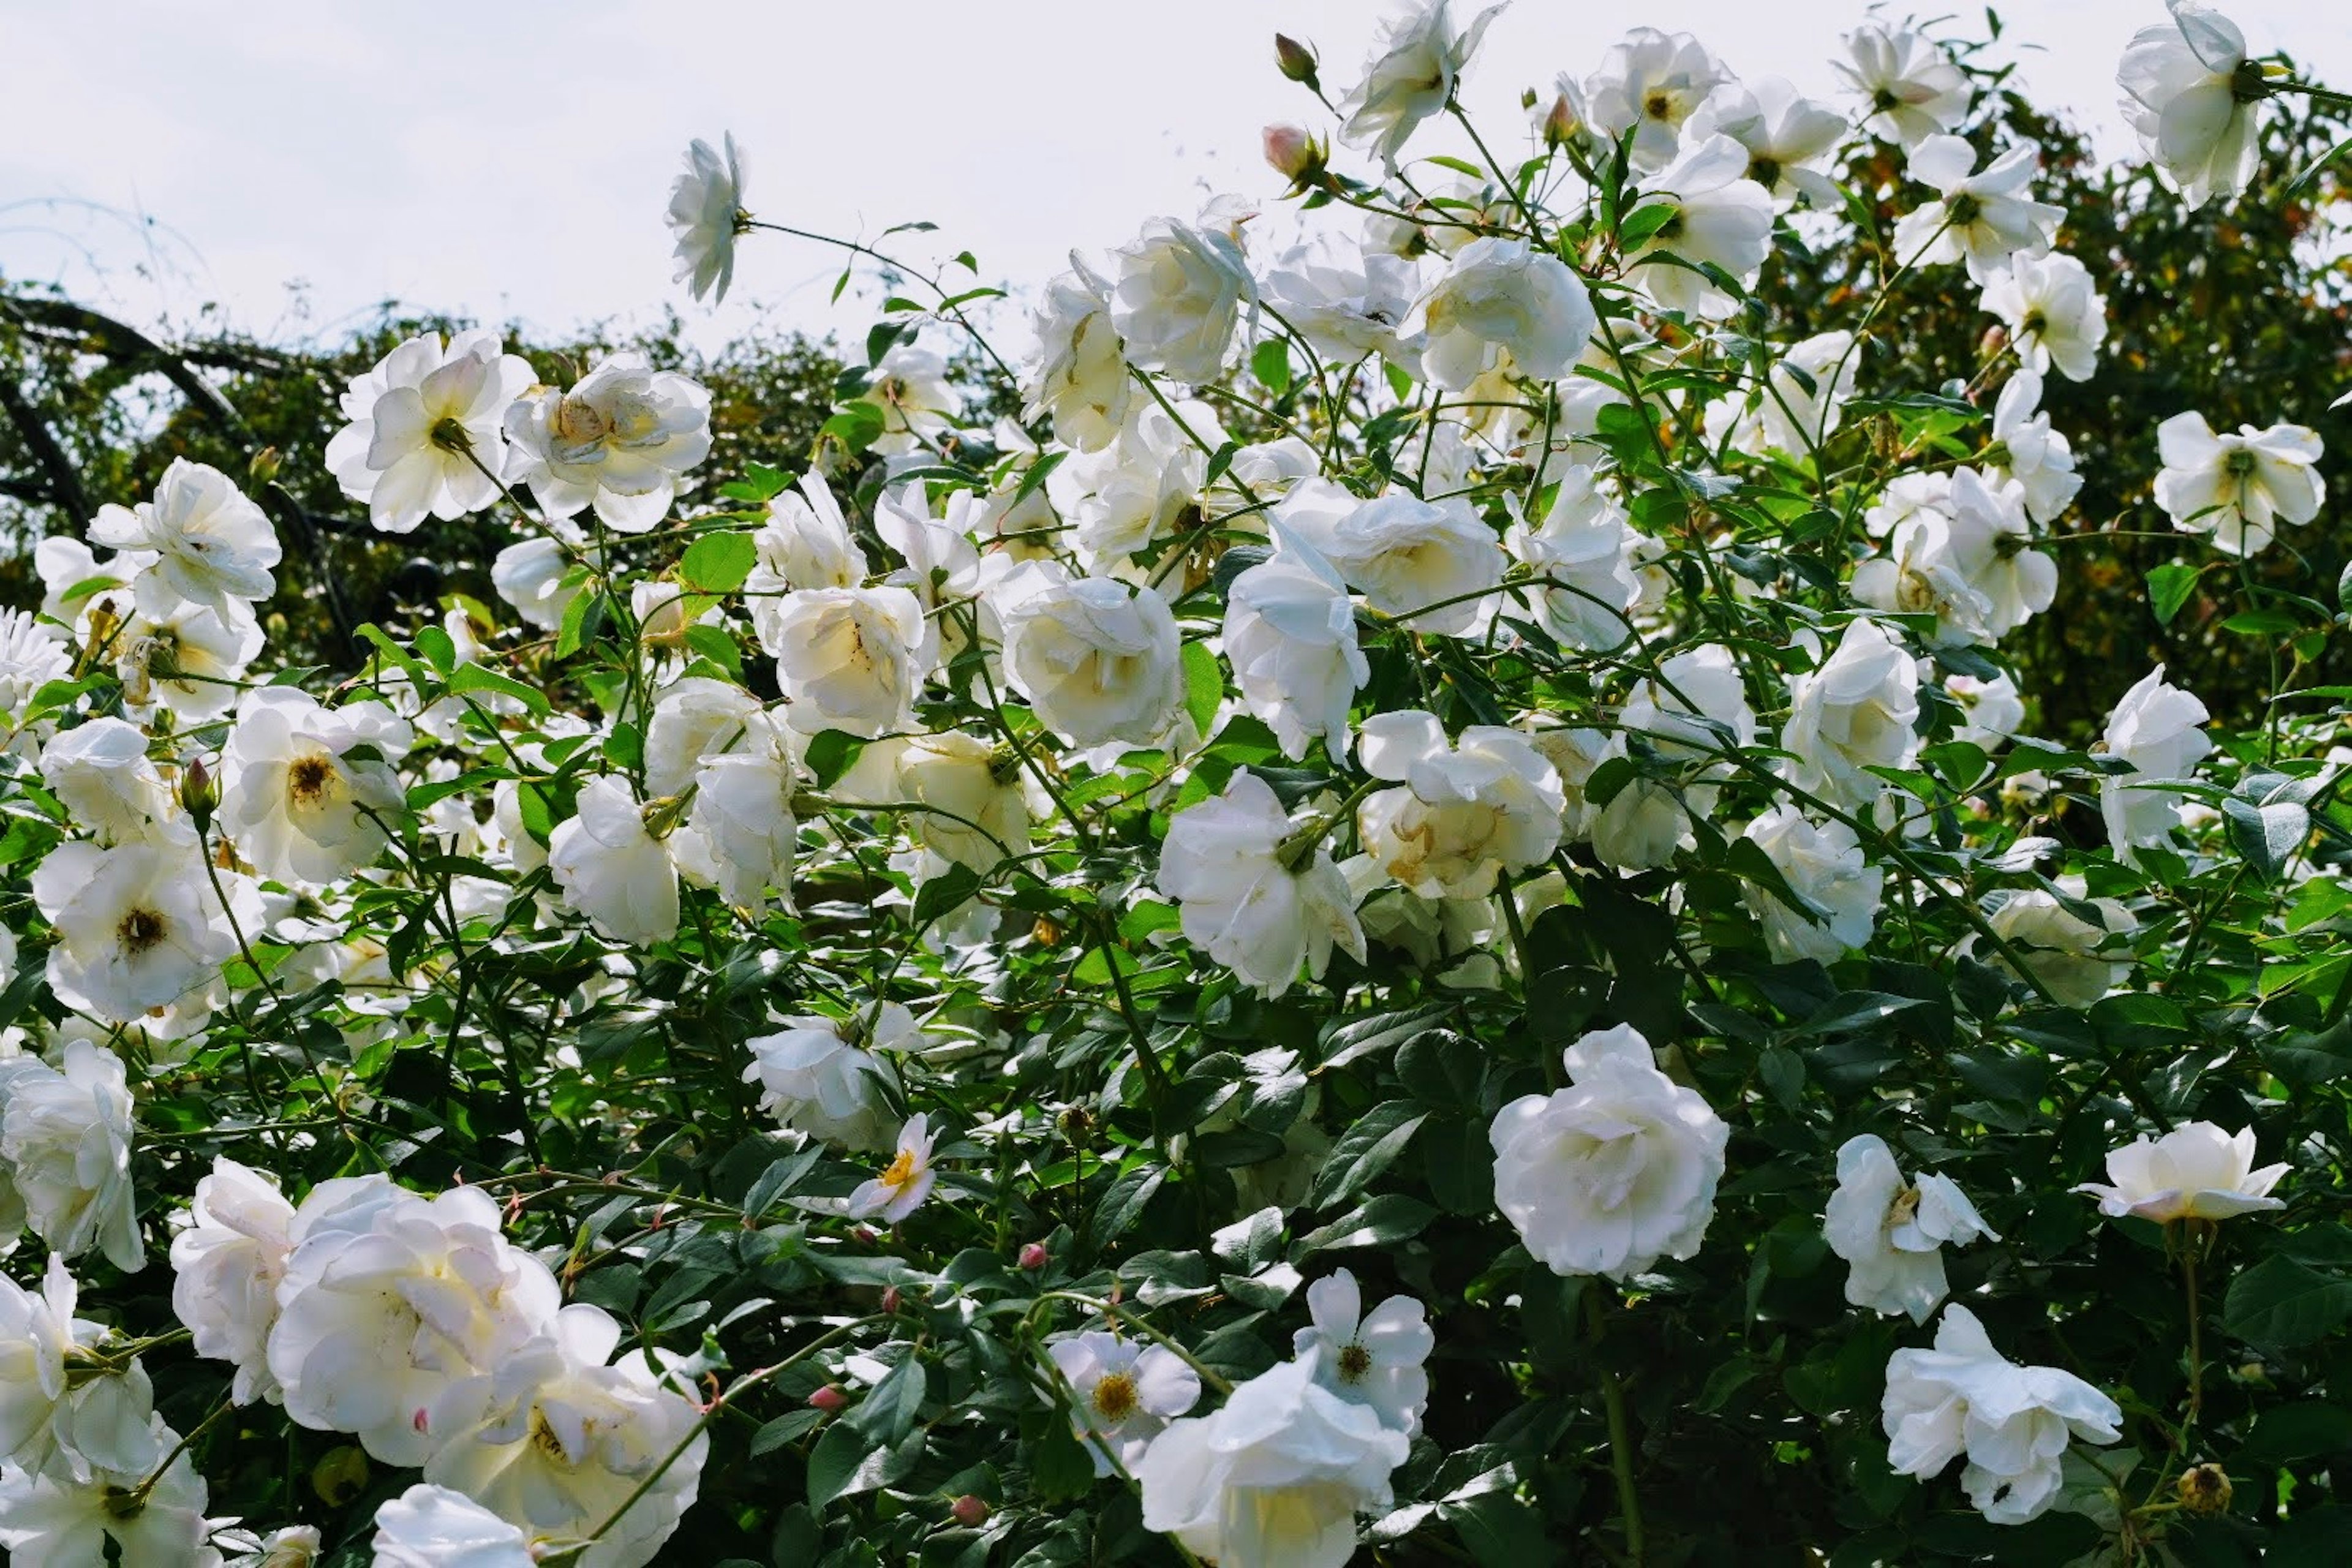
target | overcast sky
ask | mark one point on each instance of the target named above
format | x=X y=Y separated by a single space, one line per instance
x=510 y=159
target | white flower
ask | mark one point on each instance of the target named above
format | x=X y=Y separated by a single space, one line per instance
x=1502 y=303
x=427 y=431
x=817 y=1075
x=695 y=719
x=621 y=440
x=1802 y=399
x=387 y=1299
x=1276 y=1477
x=2057 y=945
x=556 y=1439
x=1179 y=299
x=742 y=820
x=904 y=1182
x=706 y=208
x=59 y=1522
x=1988 y=542
x=1981 y=218
x=1078 y=372
x=1910 y=88
x=1905 y=497
x=1616 y=1171
x=307 y=791
x=1369 y=1358
x=980 y=810
x=2195 y=100
x=910 y=386
x=1410 y=76
x=1789 y=137
x=1656 y=81
x=210 y=545
x=29 y=659
x=1137 y=491
x=1824 y=865
x=852 y=659
x=2197 y=1171
x=1993 y=710
x=804 y=544
x=102 y=773
x=2236 y=488
x=187 y=657
x=1921 y=574
x=433 y=1527
x=1584 y=553
x=66 y=1135
x=1854 y=712
x=1346 y=303
x=1720 y=216
x=1430 y=562
x=1290 y=636
x=2035 y=456
x=138 y=926
x=942 y=562
x=611 y=870
x=2155 y=729
x=226 y=1262
x=55 y=1417
x=1250 y=900
x=2012 y=1422
x=1098 y=662
x=1469 y=809
x=2056 y=316
x=1124 y=1393
x=1892 y=1232
x=292 y=1546
x=1696 y=705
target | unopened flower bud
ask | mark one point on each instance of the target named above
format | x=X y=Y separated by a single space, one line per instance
x=1995 y=338
x=1296 y=155
x=1562 y=124
x=198 y=793
x=970 y=1511
x=1295 y=60
x=1034 y=1256
x=890 y=1299
x=865 y=1236
x=263 y=468
x=2204 y=1488
x=828 y=1399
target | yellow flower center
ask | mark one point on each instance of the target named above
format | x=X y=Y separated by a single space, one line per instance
x=1114 y=1396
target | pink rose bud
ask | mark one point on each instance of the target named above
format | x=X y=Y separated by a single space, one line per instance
x=1561 y=125
x=890 y=1299
x=1294 y=154
x=970 y=1511
x=827 y=1399
x=1034 y=1256
x=864 y=1235
x=1294 y=60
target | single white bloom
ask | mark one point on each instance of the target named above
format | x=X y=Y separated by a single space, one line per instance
x=852 y=659
x=621 y=440
x=1411 y=77
x=1276 y=1477
x=697 y=719
x=1616 y=1171
x=2037 y=458
x=1290 y=636
x=2055 y=941
x=65 y=1134
x=1138 y=492
x=1372 y=1358
x=611 y=869
x=1180 y=298
x=427 y=431
x=804 y=544
x=57 y=1418
x=1905 y=497
x=980 y=806
x=1857 y=710
x=2054 y=315
x=29 y=659
x=825 y=1077
x=1250 y=900
x=1983 y=218
x=706 y=208
x=2236 y=488
x=1502 y=303
x=1078 y=372
x=1099 y=662
x=1909 y=86
x=290 y=1546
x=1429 y=563
x=307 y=791
x=2195 y=100
x=910 y=387
x=433 y=1527
x=1801 y=399
x=226 y=1262
x=210 y=545
x=1822 y=865
x=102 y=773
x=1583 y=553
x=1124 y=1393
x=2197 y=1171
x=1789 y=137
x=138 y=925
x=63 y=1523
x=1345 y=300
x=2013 y=1422
x=904 y=1182
x=1989 y=543
x=1892 y=1232
x=2155 y=729
x=188 y=658
x=1921 y=574
x=1695 y=707
x=1467 y=810
x=1651 y=83
x=1719 y=216
x=1993 y=709
x=387 y=1299
x=742 y=818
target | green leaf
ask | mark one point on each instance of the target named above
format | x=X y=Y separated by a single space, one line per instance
x=1270 y=362
x=1123 y=1204
x=831 y=754
x=2169 y=587
x=718 y=563
x=1385 y=1220
x=2267 y=835
x=846 y=1462
x=945 y=893
x=1366 y=1149
x=891 y=1409
x=1204 y=686
x=477 y=677
x=2280 y=1303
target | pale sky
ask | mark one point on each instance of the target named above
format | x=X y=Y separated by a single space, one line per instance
x=511 y=159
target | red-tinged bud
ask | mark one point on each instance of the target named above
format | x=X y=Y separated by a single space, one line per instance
x=1297 y=156
x=1295 y=60
x=890 y=1299
x=1561 y=124
x=1034 y=1256
x=198 y=793
x=827 y=1399
x=970 y=1511
x=1995 y=338
x=865 y=1236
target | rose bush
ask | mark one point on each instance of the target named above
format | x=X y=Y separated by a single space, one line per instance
x=1392 y=901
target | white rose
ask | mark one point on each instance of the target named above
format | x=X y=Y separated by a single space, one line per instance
x=138 y=926
x=2155 y=729
x=433 y=1527
x=1615 y=1172
x=67 y=1136
x=1824 y=865
x=1583 y=551
x=1982 y=217
x=54 y=1419
x=1430 y=562
x=203 y=542
x=1180 y=298
x=816 y=1078
x=1078 y=372
x=1719 y=216
x=852 y=659
x=2031 y=453
x=1502 y=301
x=1853 y=712
x=2059 y=947
x=2054 y=315
x=102 y=773
x=611 y=869
x=1909 y=86
x=1290 y=636
x=980 y=806
x=1096 y=661
x=1468 y=810
x=427 y=431
x=51 y=1518
x=2183 y=82
x=226 y=1262
x=1372 y=1358
x=1411 y=76
x=621 y=440
x=1251 y=903
x=1124 y=1392
x=706 y=209
x=1892 y=1232
x=2197 y=1171
x=2237 y=488
x=295 y=799
x=1651 y=84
